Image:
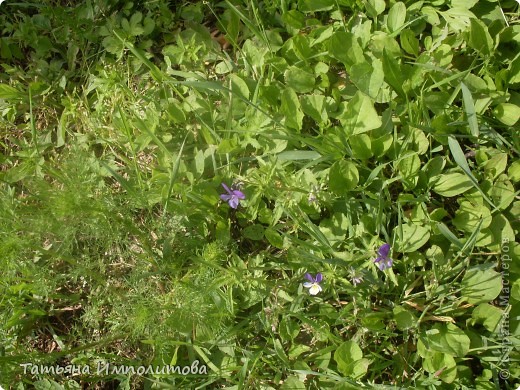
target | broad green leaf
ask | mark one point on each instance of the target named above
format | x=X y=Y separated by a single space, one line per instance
x=435 y=255
x=291 y=109
x=411 y=237
x=349 y=358
x=334 y=228
x=396 y=16
x=467 y=4
x=496 y=165
x=469 y=216
x=222 y=232
x=148 y=25
x=382 y=145
x=315 y=5
x=344 y=47
x=375 y=7
x=514 y=171
x=442 y=366
x=480 y=286
x=449 y=339
x=302 y=47
x=404 y=318
x=314 y=106
x=421 y=144
x=479 y=37
x=299 y=80
x=507 y=113
x=359 y=115
x=239 y=86
x=409 y=42
x=503 y=192
x=458 y=18
x=477 y=84
x=175 y=112
x=363 y=33
x=294 y=19
x=292 y=383
x=487 y=315
x=292 y=155
x=515 y=290
x=452 y=184
x=409 y=166
x=469 y=107
x=297 y=349
x=514 y=71
x=274 y=238
x=343 y=176
x=393 y=73
x=368 y=77
x=199 y=163
x=374 y=321
x=361 y=146
x=381 y=41
x=431 y=15
x=501 y=231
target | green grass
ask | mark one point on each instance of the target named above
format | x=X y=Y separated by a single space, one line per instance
x=346 y=124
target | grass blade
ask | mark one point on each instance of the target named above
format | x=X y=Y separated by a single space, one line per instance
x=469 y=107
x=175 y=170
x=460 y=159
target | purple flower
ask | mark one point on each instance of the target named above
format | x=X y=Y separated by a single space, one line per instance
x=313 y=284
x=232 y=197
x=383 y=261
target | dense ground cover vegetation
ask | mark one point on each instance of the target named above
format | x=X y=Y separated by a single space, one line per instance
x=290 y=194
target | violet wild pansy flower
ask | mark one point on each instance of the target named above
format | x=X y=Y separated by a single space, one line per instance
x=383 y=261
x=313 y=283
x=232 y=197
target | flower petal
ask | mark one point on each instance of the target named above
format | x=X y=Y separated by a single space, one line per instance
x=319 y=277
x=308 y=276
x=315 y=289
x=233 y=202
x=239 y=194
x=225 y=197
x=384 y=250
x=308 y=284
x=227 y=188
